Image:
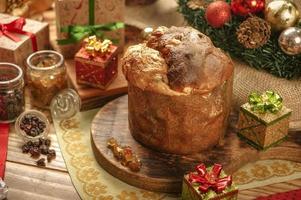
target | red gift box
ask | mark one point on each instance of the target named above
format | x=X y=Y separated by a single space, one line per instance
x=96 y=70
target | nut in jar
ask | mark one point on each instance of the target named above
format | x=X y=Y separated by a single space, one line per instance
x=46 y=76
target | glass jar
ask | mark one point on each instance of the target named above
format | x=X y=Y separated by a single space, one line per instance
x=46 y=76
x=41 y=131
x=11 y=92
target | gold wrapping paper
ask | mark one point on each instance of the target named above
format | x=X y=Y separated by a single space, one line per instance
x=263 y=130
x=76 y=12
x=183 y=124
x=17 y=52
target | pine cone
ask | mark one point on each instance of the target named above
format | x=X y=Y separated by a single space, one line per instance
x=13 y=4
x=254 y=32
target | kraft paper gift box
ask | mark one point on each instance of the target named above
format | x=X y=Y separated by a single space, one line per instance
x=88 y=12
x=208 y=183
x=17 y=51
x=263 y=130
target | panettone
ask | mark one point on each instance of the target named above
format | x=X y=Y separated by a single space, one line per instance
x=179 y=88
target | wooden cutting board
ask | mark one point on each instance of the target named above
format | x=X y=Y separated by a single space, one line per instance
x=164 y=172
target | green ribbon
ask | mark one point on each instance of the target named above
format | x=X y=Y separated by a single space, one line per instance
x=269 y=101
x=77 y=33
x=91 y=12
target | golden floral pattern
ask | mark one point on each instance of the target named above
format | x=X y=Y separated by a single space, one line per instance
x=241 y=177
x=125 y=195
x=101 y=197
x=270 y=169
x=95 y=189
x=280 y=169
x=76 y=148
x=87 y=174
x=260 y=171
x=297 y=166
x=68 y=124
x=71 y=136
x=150 y=195
x=81 y=161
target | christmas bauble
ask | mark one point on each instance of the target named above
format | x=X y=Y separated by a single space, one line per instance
x=290 y=41
x=246 y=7
x=281 y=14
x=218 y=13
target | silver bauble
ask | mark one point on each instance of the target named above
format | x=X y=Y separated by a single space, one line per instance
x=281 y=14
x=290 y=41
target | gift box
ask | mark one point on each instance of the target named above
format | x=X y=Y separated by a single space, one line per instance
x=20 y=37
x=260 y=127
x=210 y=183
x=87 y=12
x=96 y=69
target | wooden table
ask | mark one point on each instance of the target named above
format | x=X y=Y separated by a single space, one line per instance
x=26 y=181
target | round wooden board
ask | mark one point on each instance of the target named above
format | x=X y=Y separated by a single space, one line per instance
x=164 y=172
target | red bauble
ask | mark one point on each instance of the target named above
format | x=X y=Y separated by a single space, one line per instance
x=245 y=7
x=218 y=13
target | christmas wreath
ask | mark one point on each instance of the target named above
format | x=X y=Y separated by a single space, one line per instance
x=265 y=35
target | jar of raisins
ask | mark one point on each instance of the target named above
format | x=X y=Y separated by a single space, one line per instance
x=46 y=76
x=11 y=92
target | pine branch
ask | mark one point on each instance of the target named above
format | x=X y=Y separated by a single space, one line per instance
x=269 y=57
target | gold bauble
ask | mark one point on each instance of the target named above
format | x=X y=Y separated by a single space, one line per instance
x=281 y=14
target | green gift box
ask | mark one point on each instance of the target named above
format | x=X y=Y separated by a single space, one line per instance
x=263 y=130
x=210 y=183
x=264 y=121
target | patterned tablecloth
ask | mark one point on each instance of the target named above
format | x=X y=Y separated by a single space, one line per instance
x=93 y=182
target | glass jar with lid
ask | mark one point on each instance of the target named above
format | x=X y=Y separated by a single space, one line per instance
x=46 y=76
x=11 y=92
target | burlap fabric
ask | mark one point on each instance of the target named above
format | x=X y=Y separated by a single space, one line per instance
x=246 y=79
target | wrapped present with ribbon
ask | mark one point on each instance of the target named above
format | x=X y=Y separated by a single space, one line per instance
x=19 y=37
x=210 y=183
x=77 y=19
x=96 y=63
x=264 y=120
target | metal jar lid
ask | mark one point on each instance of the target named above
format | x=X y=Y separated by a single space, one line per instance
x=65 y=104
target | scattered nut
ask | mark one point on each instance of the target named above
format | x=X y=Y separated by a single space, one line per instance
x=36 y=148
x=44 y=149
x=35 y=152
x=51 y=155
x=41 y=162
x=125 y=155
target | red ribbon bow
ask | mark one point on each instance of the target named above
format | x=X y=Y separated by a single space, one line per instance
x=16 y=26
x=210 y=179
